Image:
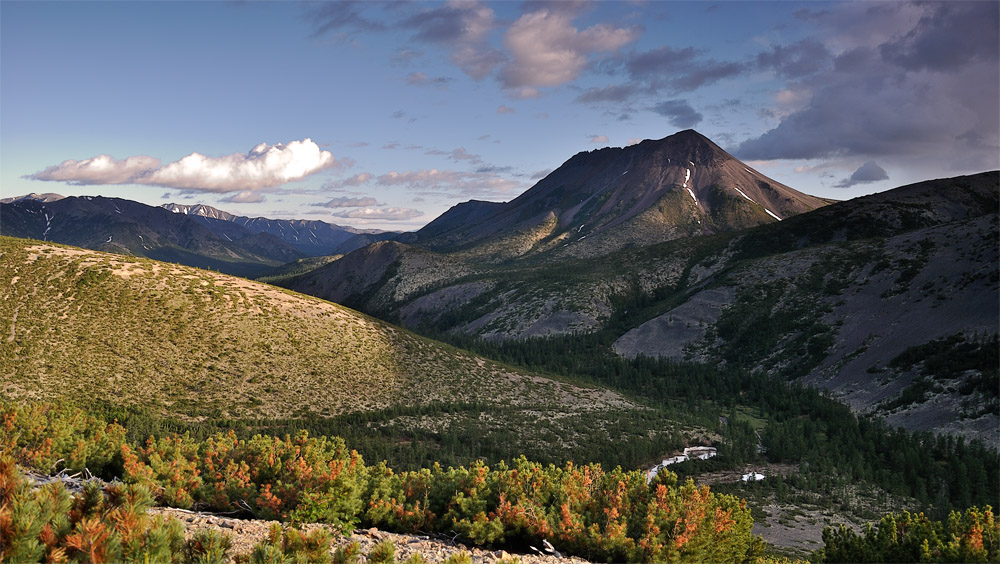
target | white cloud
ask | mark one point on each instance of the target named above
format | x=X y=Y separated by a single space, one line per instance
x=391 y=214
x=245 y=197
x=265 y=166
x=450 y=182
x=421 y=79
x=505 y=110
x=599 y=139
x=356 y=180
x=460 y=154
x=345 y=202
x=463 y=26
x=101 y=169
x=548 y=50
x=633 y=141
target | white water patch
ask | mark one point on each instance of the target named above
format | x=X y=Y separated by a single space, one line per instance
x=690 y=453
x=48 y=226
x=624 y=173
x=109 y=239
x=687 y=177
x=770 y=213
x=227 y=236
x=743 y=194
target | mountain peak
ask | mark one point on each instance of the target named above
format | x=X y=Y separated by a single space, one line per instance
x=199 y=210
x=690 y=145
x=688 y=134
x=657 y=190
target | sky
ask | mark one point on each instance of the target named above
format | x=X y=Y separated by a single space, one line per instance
x=385 y=114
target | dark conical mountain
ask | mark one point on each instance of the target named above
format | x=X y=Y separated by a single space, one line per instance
x=600 y=201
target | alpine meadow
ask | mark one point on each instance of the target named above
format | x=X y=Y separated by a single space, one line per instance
x=465 y=281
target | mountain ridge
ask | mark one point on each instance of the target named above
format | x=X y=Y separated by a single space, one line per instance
x=310 y=237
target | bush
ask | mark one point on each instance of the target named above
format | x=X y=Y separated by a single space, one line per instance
x=208 y=546
x=100 y=525
x=55 y=437
x=291 y=546
x=583 y=510
x=969 y=536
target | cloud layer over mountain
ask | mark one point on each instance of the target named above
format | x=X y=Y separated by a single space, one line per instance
x=265 y=166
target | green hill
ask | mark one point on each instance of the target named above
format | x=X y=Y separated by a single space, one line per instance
x=182 y=343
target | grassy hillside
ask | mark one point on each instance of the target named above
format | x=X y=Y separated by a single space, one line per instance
x=190 y=344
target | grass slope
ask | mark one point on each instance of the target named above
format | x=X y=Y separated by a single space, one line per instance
x=181 y=342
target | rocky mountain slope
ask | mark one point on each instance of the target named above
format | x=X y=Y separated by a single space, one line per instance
x=832 y=296
x=87 y=326
x=869 y=299
x=605 y=200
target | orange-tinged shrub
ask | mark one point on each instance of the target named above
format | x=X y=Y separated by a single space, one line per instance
x=581 y=509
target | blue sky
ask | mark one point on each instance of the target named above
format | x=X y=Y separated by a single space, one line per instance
x=386 y=114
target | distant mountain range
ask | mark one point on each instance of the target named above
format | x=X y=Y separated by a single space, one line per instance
x=47 y=197
x=310 y=237
x=199 y=236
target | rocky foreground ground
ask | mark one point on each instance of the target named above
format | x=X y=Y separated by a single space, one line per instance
x=246 y=533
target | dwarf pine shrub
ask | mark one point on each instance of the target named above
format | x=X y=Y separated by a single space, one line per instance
x=581 y=509
x=99 y=525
